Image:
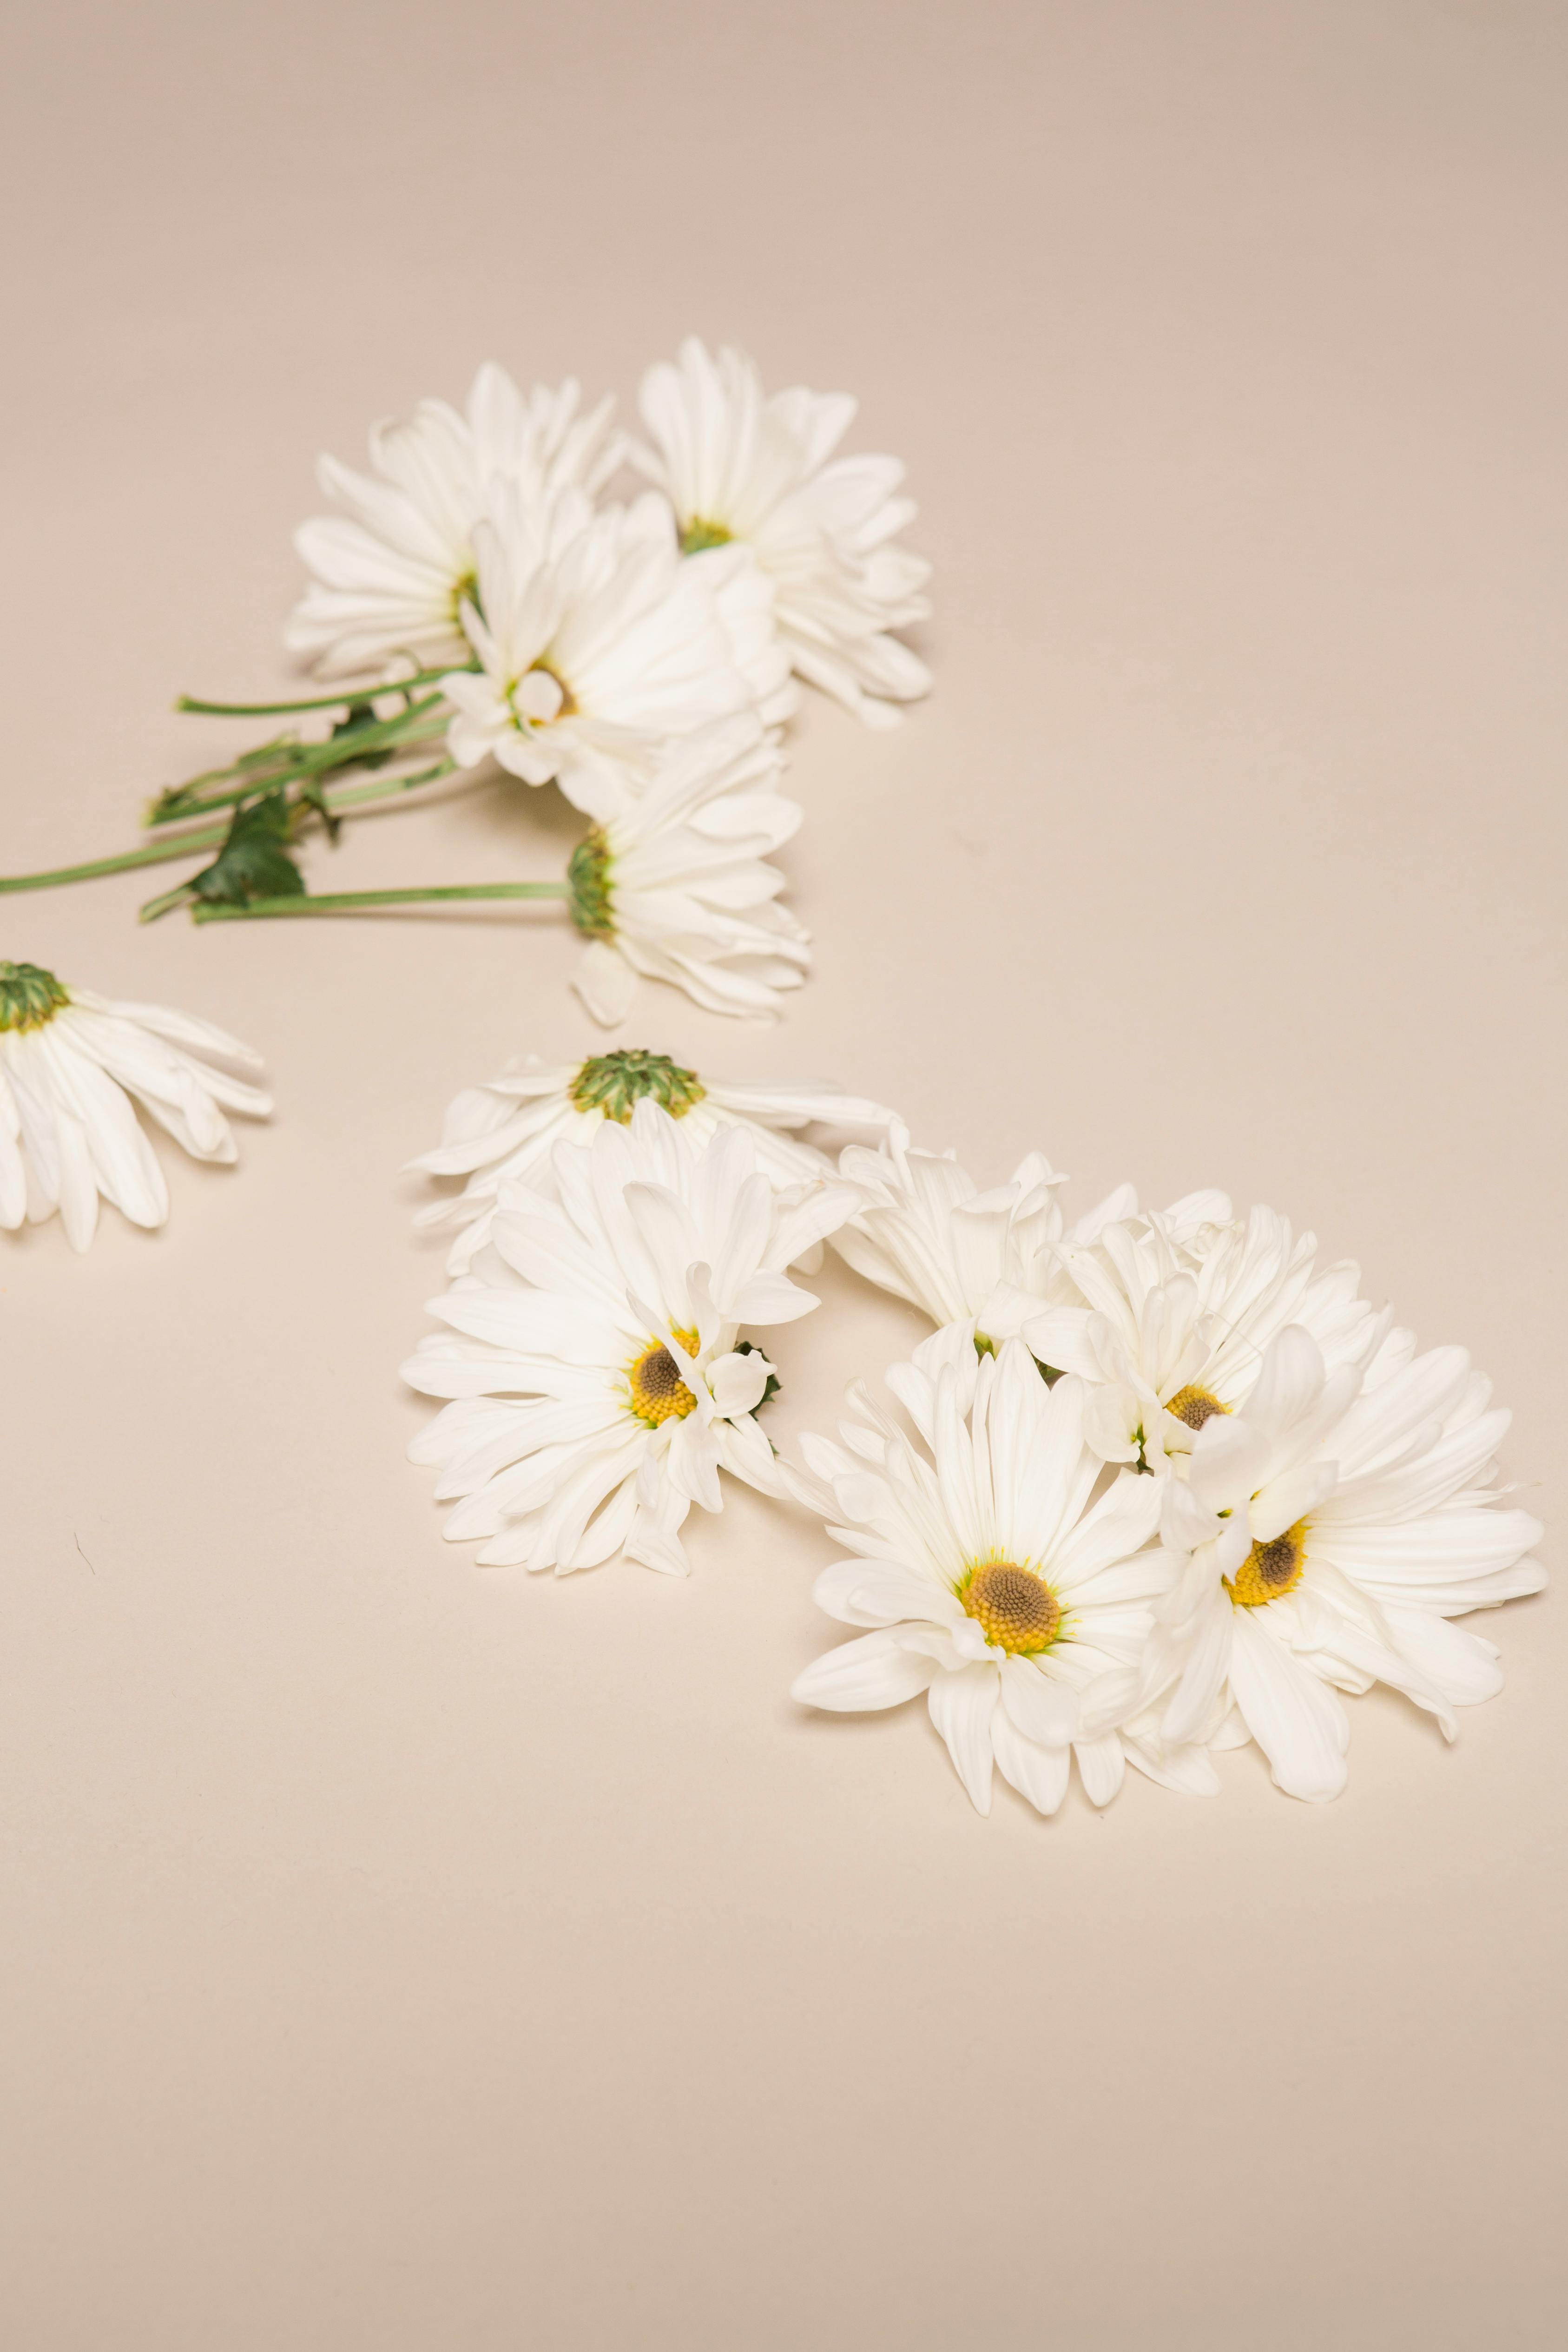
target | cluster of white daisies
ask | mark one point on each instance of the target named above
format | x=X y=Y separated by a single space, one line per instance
x=627 y=618
x=1161 y=1484
x=641 y=655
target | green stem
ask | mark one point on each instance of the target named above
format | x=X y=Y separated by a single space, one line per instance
x=279 y=751
x=377 y=735
x=399 y=733
x=183 y=807
x=344 y=796
x=164 y=905
x=349 y=696
x=340 y=902
x=156 y=853
x=210 y=837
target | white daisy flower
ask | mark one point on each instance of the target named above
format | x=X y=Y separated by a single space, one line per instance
x=1331 y=1530
x=927 y=1233
x=738 y=466
x=1170 y=1322
x=597 y=646
x=70 y=1063
x=672 y=882
x=1001 y=1575
x=592 y=1358
x=391 y=573
x=507 y=1131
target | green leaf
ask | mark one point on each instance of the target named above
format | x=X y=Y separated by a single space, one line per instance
x=252 y=862
x=360 y=714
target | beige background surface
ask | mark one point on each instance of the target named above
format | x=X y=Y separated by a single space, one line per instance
x=403 y=1956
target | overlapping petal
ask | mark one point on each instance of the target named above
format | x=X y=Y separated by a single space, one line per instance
x=590 y=1355
x=1000 y=1499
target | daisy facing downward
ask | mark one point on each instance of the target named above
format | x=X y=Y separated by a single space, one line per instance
x=73 y=1067
x=671 y=880
x=505 y=1132
x=593 y=1362
x=991 y=1574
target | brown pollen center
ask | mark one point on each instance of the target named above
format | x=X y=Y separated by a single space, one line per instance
x=1270 y=1569
x=659 y=1392
x=1192 y=1406
x=1013 y=1606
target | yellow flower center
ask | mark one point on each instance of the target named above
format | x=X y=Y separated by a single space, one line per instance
x=1270 y=1569
x=659 y=1392
x=700 y=533
x=1013 y=1606
x=1193 y=1406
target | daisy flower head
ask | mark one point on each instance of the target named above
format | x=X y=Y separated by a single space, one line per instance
x=1168 y=1319
x=390 y=572
x=925 y=1231
x=1000 y=1567
x=738 y=466
x=73 y=1067
x=673 y=882
x=595 y=1367
x=597 y=646
x=1330 y=1531
x=507 y=1131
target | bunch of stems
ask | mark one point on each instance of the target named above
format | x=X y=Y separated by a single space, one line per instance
x=305 y=779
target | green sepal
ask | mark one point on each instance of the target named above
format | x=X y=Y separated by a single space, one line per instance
x=589 y=900
x=616 y=1083
x=29 y=996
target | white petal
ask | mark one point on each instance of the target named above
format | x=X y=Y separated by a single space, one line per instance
x=1040 y=1774
x=961 y=1706
x=606 y=983
x=737 y=1383
x=1297 y=1720
x=1101 y=1764
x=1043 y=1709
x=880 y=1592
x=873 y=1672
